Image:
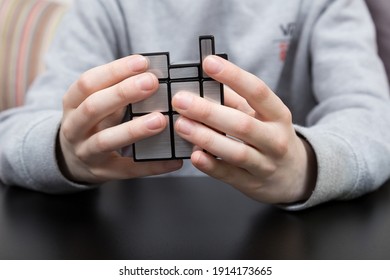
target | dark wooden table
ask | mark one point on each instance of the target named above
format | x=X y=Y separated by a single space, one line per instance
x=186 y=218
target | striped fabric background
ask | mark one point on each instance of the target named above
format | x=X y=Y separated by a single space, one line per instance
x=26 y=30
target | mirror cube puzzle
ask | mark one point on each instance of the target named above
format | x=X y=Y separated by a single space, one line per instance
x=172 y=79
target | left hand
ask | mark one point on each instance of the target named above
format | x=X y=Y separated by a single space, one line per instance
x=271 y=163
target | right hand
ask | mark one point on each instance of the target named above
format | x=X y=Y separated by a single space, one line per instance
x=91 y=131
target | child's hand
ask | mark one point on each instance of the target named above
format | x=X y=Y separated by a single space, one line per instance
x=270 y=163
x=91 y=131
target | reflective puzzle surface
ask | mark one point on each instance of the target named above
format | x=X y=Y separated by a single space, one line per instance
x=172 y=79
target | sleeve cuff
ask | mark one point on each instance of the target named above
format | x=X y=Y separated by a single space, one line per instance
x=338 y=168
x=39 y=159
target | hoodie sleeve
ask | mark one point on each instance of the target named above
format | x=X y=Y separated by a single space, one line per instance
x=349 y=128
x=86 y=38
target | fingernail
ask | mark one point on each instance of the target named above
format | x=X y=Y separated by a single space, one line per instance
x=184 y=126
x=144 y=81
x=182 y=100
x=213 y=64
x=138 y=63
x=153 y=122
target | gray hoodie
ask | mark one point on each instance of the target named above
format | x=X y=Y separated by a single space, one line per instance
x=332 y=80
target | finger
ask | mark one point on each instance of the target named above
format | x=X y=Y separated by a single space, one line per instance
x=259 y=96
x=119 y=168
x=249 y=184
x=218 y=169
x=230 y=174
x=114 y=119
x=225 y=119
x=117 y=137
x=233 y=100
x=232 y=151
x=103 y=76
x=104 y=103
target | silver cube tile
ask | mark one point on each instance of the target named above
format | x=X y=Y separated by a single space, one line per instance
x=192 y=87
x=159 y=102
x=155 y=147
x=158 y=65
x=206 y=48
x=184 y=72
x=212 y=91
x=183 y=148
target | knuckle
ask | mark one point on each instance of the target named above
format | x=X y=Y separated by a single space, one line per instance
x=205 y=111
x=281 y=146
x=102 y=143
x=67 y=131
x=88 y=108
x=207 y=140
x=131 y=135
x=286 y=115
x=241 y=155
x=81 y=154
x=121 y=92
x=235 y=75
x=244 y=126
x=268 y=169
x=261 y=91
x=85 y=84
x=112 y=70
